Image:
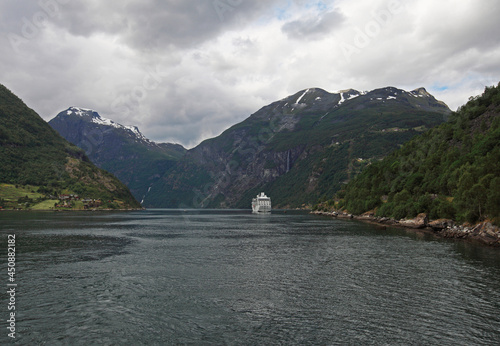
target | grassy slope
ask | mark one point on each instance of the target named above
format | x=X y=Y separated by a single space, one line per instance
x=11 y=192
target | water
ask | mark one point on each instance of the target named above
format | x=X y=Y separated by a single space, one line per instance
x=165 y=277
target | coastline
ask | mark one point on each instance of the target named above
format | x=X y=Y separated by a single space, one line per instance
x=68 y=210
x=483 y=233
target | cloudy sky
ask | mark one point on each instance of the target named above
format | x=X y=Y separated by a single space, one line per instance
x=185 y=70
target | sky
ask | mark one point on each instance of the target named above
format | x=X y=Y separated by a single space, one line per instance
x=186 y=70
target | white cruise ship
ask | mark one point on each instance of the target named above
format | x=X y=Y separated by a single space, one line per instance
x=261 y=204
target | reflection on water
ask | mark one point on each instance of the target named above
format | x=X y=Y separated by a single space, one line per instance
x=231 y=277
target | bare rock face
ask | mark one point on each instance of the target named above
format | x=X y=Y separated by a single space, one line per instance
x=487 y=233
x=420 y=221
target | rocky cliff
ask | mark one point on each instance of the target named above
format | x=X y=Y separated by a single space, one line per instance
x=297 y=149
x=121 y=150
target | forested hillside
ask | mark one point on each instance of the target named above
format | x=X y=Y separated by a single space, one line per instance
x=33 y=154
x=451 y=171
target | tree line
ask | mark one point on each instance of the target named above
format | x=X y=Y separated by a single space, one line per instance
x=451 y=171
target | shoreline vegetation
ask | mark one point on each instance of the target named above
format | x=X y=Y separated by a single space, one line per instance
x=449 y=174
x=35 y=198
x=484 y=232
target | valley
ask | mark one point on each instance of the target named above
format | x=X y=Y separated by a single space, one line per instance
x=299 y=149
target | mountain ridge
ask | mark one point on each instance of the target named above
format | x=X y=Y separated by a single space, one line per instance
x=309 y=139
x=119 y=149
x=297 y=141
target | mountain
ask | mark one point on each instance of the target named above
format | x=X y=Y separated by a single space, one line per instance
x=297 y=149
x=33 y=154
x=451 y=171
x=121 y=150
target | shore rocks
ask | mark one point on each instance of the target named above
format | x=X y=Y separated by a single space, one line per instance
x=485 y=232
x=440 y=224
x=420 y=221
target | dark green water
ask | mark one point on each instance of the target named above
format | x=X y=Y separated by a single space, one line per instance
x=163 y=277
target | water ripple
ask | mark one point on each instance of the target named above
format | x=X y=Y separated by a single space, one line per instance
x=216 y=278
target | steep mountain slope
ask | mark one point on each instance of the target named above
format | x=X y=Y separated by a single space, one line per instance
x=297 y=149
x=121 y=150
x=32 y=153
x=451 y=171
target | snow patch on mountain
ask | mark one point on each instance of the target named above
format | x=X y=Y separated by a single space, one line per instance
x=97 y=119
x=419 y=92
x=300 y=98
x=342 y=99
x=79 y=111
x=349 y=94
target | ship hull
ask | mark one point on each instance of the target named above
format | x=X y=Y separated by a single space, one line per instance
x=261 y=209
x=261 y=204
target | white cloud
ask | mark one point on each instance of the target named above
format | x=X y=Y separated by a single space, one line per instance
x=186 y=71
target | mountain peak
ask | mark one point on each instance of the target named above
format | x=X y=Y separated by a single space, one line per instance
x=348 y=94
x=81 y=112
x=92 y=116
x=348 y=91
x=420 y=92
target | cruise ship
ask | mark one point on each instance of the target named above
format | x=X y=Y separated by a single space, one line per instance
x=261 y=204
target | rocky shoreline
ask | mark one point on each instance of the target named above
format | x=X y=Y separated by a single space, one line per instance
x=484 y=232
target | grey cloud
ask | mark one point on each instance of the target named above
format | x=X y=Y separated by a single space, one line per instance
x=13 y=12
x=476 y=30
x=151 y=24
x=313 y=26
x=141 y=24
x=190 y=115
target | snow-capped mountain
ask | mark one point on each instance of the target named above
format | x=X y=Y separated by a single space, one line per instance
x=119 y=149
x=298 y=148
x=315 y=99
x=94 y=117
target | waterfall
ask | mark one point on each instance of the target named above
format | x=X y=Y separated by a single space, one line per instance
x=288 y=162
